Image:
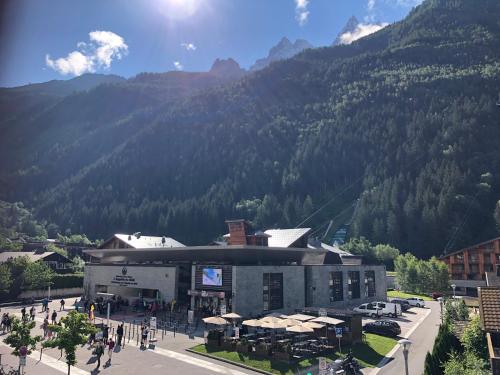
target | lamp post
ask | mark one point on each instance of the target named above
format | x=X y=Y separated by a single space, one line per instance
x=405 y=344
x=440 y=299
x=453 y=286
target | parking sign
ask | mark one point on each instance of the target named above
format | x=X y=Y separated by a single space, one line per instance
x=338 y=331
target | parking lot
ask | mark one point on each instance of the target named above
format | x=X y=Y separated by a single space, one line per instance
x=408 y=321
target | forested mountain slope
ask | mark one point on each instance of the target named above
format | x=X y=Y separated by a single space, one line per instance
x=405 y=120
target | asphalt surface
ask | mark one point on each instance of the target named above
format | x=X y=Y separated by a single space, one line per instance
x=422 y=339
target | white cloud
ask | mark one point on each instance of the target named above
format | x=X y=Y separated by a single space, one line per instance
x=103 y=48
x=301 y=12
x=188 y=46
x=370 y=5
x=363 y=29
x=178 y=65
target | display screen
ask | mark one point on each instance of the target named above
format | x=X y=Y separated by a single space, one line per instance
x=212 y=276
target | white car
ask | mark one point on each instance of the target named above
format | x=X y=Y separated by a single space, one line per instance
x=369 y=309
x=415 y=301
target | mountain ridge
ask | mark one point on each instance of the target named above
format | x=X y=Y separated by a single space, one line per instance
x=395 y=120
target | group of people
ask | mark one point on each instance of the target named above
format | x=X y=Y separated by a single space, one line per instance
x=6 y=322
x=32 y=313
x=100 y=344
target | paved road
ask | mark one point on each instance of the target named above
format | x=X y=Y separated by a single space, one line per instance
x=422 y=341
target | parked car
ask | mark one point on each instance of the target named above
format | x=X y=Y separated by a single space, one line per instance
x=383 y=327
x=389 y=308
x=369 y=309
x=436 y=295
x=415 y=301
x=405 y=305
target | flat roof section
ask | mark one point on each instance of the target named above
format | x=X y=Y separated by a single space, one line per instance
x=222 y=254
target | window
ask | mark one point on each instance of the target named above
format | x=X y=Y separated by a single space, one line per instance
x=353 y=284
x=336 y=287
x=370 y=283
x=272 y=293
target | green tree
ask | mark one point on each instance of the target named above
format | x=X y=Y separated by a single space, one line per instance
x=73 y=331
x=474 y=339
x=77 y=264
x=465 y=364
x=386 y=254
x=5 y=277
x=21 y=335
x=37 y=275
x=361 y=246
x=56 y=249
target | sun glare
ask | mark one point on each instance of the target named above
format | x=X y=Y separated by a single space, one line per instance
x=179 y=9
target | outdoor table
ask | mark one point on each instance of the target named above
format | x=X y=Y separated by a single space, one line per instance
x=283 y=341
x=252 y=341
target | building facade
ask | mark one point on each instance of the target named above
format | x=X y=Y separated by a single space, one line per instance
x=468 y=267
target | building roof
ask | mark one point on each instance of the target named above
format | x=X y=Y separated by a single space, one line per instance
x=285 y=237
x=244 y=254
x=148 y=242
x=6 y=255
x=333 y=249
x=468 y=248
x=489 y=305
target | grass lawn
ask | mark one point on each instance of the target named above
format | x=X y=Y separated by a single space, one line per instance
x=368 y=354
x=397 y=294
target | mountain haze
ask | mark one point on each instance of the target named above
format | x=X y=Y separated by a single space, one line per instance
x=283 y=50
x=404 y=122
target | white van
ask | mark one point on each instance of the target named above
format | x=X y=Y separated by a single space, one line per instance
x=389 y=308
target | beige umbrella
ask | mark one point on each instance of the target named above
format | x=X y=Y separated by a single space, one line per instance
x=271 y=319
x=301 y=317
x=299 y=329
x=217 y=320
x=252 y=323
x=312 y=325
x=327 y=320
x=274 y=325
x=291 y=322
x=231 y=316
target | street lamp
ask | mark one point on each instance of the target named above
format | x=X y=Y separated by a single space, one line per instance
x=405 y=344
x=453 y=286
x=440 y=299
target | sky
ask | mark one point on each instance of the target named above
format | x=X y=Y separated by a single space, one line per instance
x=41 y=40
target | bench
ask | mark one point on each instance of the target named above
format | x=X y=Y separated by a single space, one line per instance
x=152 y=344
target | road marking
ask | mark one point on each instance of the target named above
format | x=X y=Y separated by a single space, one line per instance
x=389 y=355
x=52 y=362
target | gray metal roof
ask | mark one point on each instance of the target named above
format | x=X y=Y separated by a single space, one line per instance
x=6 y=255
x=285 y=237
x=217 y=254
x=148 y=242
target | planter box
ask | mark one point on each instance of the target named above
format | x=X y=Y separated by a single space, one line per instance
x=281 y=356
x=213 y=343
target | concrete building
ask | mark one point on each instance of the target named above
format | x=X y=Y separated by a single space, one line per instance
x=469 y=267
x=248 y=276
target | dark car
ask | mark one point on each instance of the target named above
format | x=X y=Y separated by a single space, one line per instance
x=405 y=305
x=436 y=295
x=383 y=327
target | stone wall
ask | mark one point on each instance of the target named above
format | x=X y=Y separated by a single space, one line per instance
x=42 y=293
x=248 y=288
x=319 y=290
x=128 y=280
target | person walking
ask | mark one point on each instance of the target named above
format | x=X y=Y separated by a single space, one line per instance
x=105 y=335
x=119 y=333
x=54 y=316
x=23 y=312
x=99 y=351
x=61 y=308
x=111 y=347
x=144 y=337
x=32 y=312
x=45 y=327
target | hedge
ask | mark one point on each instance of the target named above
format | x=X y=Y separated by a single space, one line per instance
x=71 y=280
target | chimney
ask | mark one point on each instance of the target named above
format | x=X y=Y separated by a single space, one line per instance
x=237 y=231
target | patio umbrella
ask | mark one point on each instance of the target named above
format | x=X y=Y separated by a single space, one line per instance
x=301 y=317
x=312 y=325
x=252 y=323
x=231 y=316
x=327 y=320
x=271 y=319
x=299 y=329
x=217 y=320
x=274 y=325
x=291 y=322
